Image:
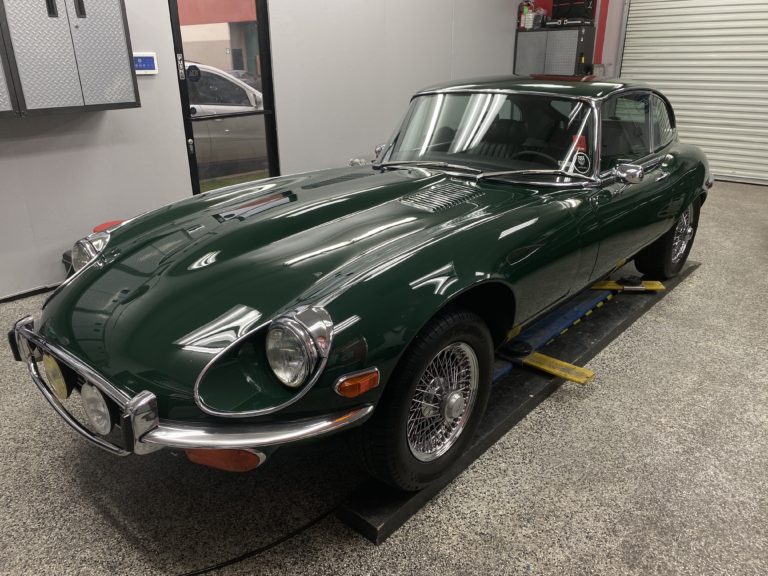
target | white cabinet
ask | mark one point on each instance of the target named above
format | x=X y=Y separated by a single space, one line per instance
x=68 y=54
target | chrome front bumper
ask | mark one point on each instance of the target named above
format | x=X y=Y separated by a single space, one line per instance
x=143 y=432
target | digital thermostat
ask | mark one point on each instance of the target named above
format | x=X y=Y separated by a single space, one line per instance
x=145 y=62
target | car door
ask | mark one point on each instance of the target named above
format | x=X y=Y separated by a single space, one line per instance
x=630 y=215
x=226 y=106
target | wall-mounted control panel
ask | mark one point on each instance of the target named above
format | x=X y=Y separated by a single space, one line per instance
x=145 y=63
x=65 y=55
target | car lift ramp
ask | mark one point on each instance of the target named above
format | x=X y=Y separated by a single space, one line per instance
x=572 y=334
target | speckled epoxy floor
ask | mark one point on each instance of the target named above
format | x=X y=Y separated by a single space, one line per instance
x=660 y=466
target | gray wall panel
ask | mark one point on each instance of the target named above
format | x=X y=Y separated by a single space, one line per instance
x=102 y=56
x=44 y=55
x=400 y=46
x=60 y=175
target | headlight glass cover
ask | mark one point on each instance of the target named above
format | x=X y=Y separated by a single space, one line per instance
x=86 y=250
x=96 y=409
x=290 y=352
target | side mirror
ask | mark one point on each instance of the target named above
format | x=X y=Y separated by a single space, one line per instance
x=378 y=151
x=193 y=73
x=629 y=173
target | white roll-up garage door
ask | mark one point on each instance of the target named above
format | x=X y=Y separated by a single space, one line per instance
x=710 y=58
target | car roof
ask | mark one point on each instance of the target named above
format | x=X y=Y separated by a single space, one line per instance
x=574 y=86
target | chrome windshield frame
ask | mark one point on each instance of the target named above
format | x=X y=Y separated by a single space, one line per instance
x=592 y=102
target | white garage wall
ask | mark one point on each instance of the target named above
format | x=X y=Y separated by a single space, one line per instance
x=344 y=70
x=62 y=174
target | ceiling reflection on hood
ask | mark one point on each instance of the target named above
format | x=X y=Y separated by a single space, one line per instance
x=221 y=332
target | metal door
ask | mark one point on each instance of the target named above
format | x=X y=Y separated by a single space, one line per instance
x=711 y=61
x=102 y=51
x=43 y=52
x=531 y=52
x=561 y=51
x=7 y=95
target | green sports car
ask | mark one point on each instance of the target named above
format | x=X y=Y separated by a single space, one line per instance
x=368 y=298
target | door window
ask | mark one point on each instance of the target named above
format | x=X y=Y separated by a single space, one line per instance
x=625 y=129
x=212 y=89
x=661 y=123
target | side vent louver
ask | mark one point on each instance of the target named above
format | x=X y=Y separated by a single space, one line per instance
x=440 y=196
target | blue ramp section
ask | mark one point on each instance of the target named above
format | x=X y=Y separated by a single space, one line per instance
x=553 y=324
x=563 y=317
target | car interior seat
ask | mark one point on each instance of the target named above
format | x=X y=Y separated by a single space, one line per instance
x=503 y=138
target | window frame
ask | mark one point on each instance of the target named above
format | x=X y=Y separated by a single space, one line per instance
x=222 y=79
x=672 y=124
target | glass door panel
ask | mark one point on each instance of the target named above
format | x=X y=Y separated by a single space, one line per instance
x=224 y=83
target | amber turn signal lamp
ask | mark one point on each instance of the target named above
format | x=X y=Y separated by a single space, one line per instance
x=229 y=460
x=357 y=384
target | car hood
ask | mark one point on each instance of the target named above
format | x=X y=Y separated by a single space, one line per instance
x=233 y=258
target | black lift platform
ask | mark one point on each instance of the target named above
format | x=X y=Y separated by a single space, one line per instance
x=574 y=333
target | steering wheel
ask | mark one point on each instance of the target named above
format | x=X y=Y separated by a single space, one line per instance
x=555 y=162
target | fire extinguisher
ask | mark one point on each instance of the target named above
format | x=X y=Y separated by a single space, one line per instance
x=524 y=14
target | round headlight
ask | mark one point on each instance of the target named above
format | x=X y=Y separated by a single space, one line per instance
x=55 y=377
x=87 y=249
x=96 y=409
x=290 y=354
x=81 y=255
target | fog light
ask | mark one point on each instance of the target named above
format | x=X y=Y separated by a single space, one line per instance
x=55 y=377
x=229 y=460
x=96 y=409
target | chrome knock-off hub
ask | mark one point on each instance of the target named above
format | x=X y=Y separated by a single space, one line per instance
x=453 y=405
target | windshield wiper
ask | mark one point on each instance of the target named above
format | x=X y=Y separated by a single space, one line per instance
x=427 y=164
x=491 y=175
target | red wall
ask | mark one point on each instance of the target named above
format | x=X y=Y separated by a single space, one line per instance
x=216 y=11
x=546 y=4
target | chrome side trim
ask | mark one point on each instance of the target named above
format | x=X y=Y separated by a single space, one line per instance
x=318 y=324
x=243 y=436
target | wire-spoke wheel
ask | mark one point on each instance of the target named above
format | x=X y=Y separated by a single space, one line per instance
x=683 y=234
x=666 y=257
x=432 y=403
x=442 y=402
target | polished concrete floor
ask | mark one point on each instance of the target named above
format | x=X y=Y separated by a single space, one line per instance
x=660 y=466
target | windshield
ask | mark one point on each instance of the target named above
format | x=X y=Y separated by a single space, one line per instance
x=524 y=133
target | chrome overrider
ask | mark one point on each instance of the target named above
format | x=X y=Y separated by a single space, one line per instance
x=143 y=431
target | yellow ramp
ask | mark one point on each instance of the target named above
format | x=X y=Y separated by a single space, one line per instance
x=558 y=368
x=646 y=286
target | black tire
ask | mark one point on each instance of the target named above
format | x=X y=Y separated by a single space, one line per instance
x=383 y=442
x=661 y=259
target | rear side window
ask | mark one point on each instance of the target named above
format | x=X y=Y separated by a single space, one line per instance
x=214 y=90
x=661 y=123
x=626 y=129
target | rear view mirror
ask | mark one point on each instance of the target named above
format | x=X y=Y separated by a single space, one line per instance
x=629 y=173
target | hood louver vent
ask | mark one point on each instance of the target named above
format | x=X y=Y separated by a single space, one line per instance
x=440 y=196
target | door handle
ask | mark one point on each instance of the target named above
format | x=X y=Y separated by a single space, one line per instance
x=80 y=8
x=53 y=10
